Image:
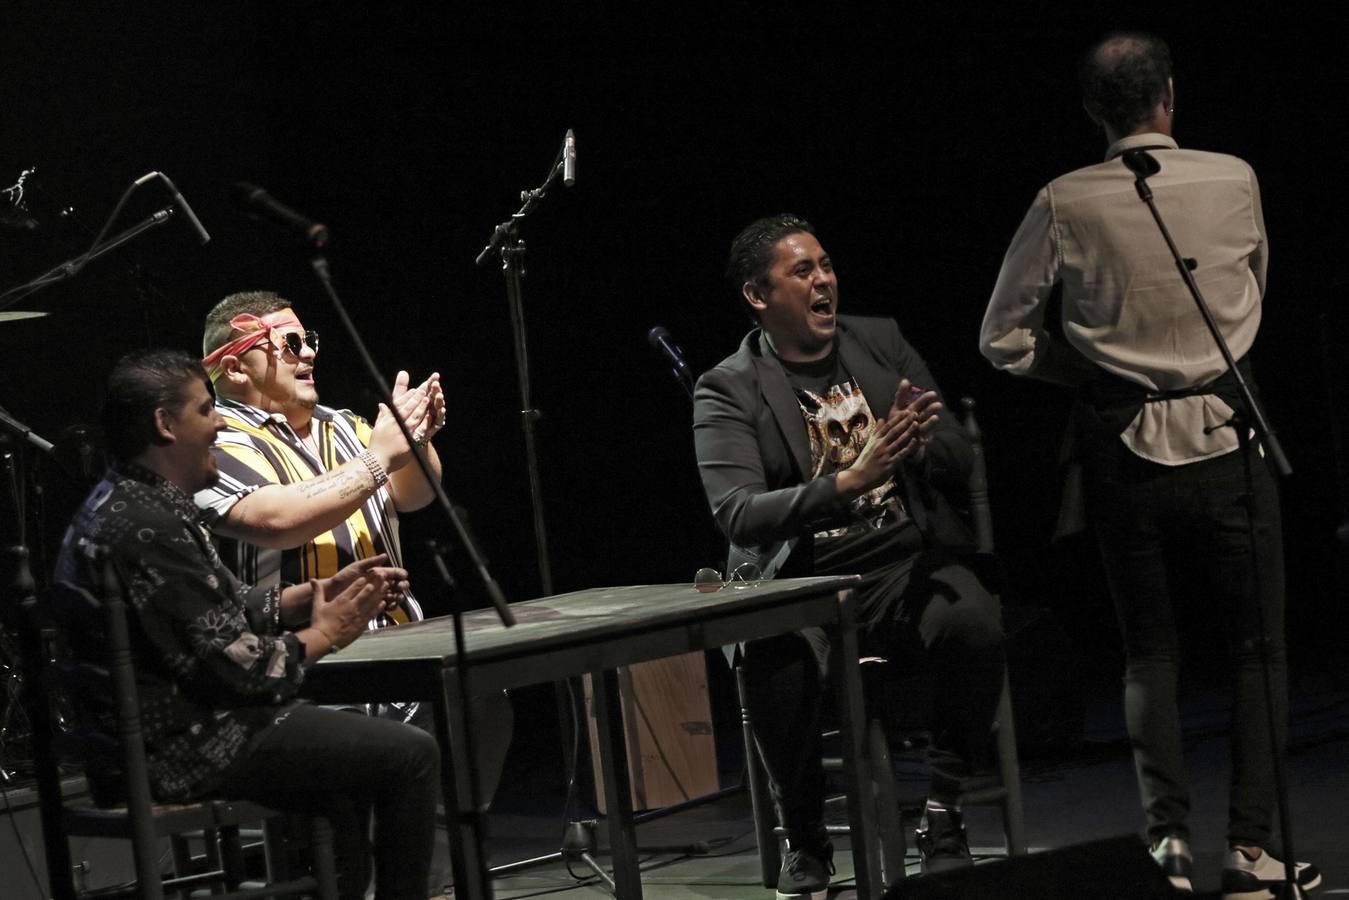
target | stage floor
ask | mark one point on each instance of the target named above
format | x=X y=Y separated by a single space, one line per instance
x=1084 y=793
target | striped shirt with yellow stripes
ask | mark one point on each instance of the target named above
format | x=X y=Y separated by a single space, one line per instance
x=260 y=448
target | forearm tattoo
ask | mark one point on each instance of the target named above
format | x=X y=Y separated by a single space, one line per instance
x=347 y=482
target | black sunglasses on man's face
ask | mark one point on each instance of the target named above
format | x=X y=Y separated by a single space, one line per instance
x=294 y=343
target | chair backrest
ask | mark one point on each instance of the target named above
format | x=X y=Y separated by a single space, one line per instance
x=981 y=514
x=117 y=671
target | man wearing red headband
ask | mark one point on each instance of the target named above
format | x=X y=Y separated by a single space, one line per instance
x=305 y=489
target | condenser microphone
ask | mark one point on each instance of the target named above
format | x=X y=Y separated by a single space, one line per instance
x=569 y=159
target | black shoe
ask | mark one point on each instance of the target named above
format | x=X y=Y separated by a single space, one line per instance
x=805 y=872
x=941 y=841
x=1245 y=878
x=1173 y=855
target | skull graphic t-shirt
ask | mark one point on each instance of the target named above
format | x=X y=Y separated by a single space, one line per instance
x=839 y=423
x=876 y=539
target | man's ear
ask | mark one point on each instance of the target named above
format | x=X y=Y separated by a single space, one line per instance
x=753 y=295
x=232 y=370
x=164 y=423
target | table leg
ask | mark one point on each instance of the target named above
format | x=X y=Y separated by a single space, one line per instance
x=617 y=787
x=857 y=761
x=464 y=823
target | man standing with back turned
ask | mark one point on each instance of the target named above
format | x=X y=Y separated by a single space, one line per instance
x=822 y=452
x=1165 y=475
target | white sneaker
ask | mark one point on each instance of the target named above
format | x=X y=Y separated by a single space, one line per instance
x=1259 y=878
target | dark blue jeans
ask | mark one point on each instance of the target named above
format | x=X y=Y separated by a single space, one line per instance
x=1152 y=522
x=347 y=764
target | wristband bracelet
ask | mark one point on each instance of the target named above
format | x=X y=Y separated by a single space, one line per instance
x=333 y=646
x=376 y=470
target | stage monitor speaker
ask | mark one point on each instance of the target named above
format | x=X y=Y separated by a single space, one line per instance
x=1111 y=869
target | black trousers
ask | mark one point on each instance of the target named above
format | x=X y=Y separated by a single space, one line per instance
x=940 y=630
x=347 y=764
x=1156 y=523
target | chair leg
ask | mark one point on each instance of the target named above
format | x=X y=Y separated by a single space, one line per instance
x=325 y=864
x=770 y=851
x=183 y=861
x=1009 y=770
x=231 y=855
x=889 y=828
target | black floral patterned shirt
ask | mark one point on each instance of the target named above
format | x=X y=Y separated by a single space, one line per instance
x=214 y=667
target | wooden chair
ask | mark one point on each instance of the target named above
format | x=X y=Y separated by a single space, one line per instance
x=1001 y=789
x=140 y=820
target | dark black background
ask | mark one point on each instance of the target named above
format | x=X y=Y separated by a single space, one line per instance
x=913 y=140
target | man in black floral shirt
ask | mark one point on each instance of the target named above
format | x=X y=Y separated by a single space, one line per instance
x=217 y=669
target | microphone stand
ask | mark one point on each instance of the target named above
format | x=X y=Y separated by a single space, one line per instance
x=475 y=870
x=321 y=269
x=579 y=843
x=1143 y=165
x=97 y=248
x=20 y=613
x=506 y=241
x=72 y=267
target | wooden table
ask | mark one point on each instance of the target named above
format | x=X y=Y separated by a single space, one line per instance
x=596 y=631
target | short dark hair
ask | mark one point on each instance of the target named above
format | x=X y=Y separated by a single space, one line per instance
x=142 y=382
x=752 y=250
x=218 y=330
x=1123 y=77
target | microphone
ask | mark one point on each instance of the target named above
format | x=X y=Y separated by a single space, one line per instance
x=569 y=159
x=253 y=199
x=181 y=202
x=1141 y=163
x=660 y=340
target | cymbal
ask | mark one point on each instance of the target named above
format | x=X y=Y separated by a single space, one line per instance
x=16 y=314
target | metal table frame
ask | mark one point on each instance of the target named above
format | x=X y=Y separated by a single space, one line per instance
x=596 y=631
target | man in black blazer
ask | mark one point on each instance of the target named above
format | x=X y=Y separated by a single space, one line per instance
x=823 y=450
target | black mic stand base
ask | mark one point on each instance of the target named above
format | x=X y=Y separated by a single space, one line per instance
x=579 y=841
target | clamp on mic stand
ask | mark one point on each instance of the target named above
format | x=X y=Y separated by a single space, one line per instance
x=1143 y=165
